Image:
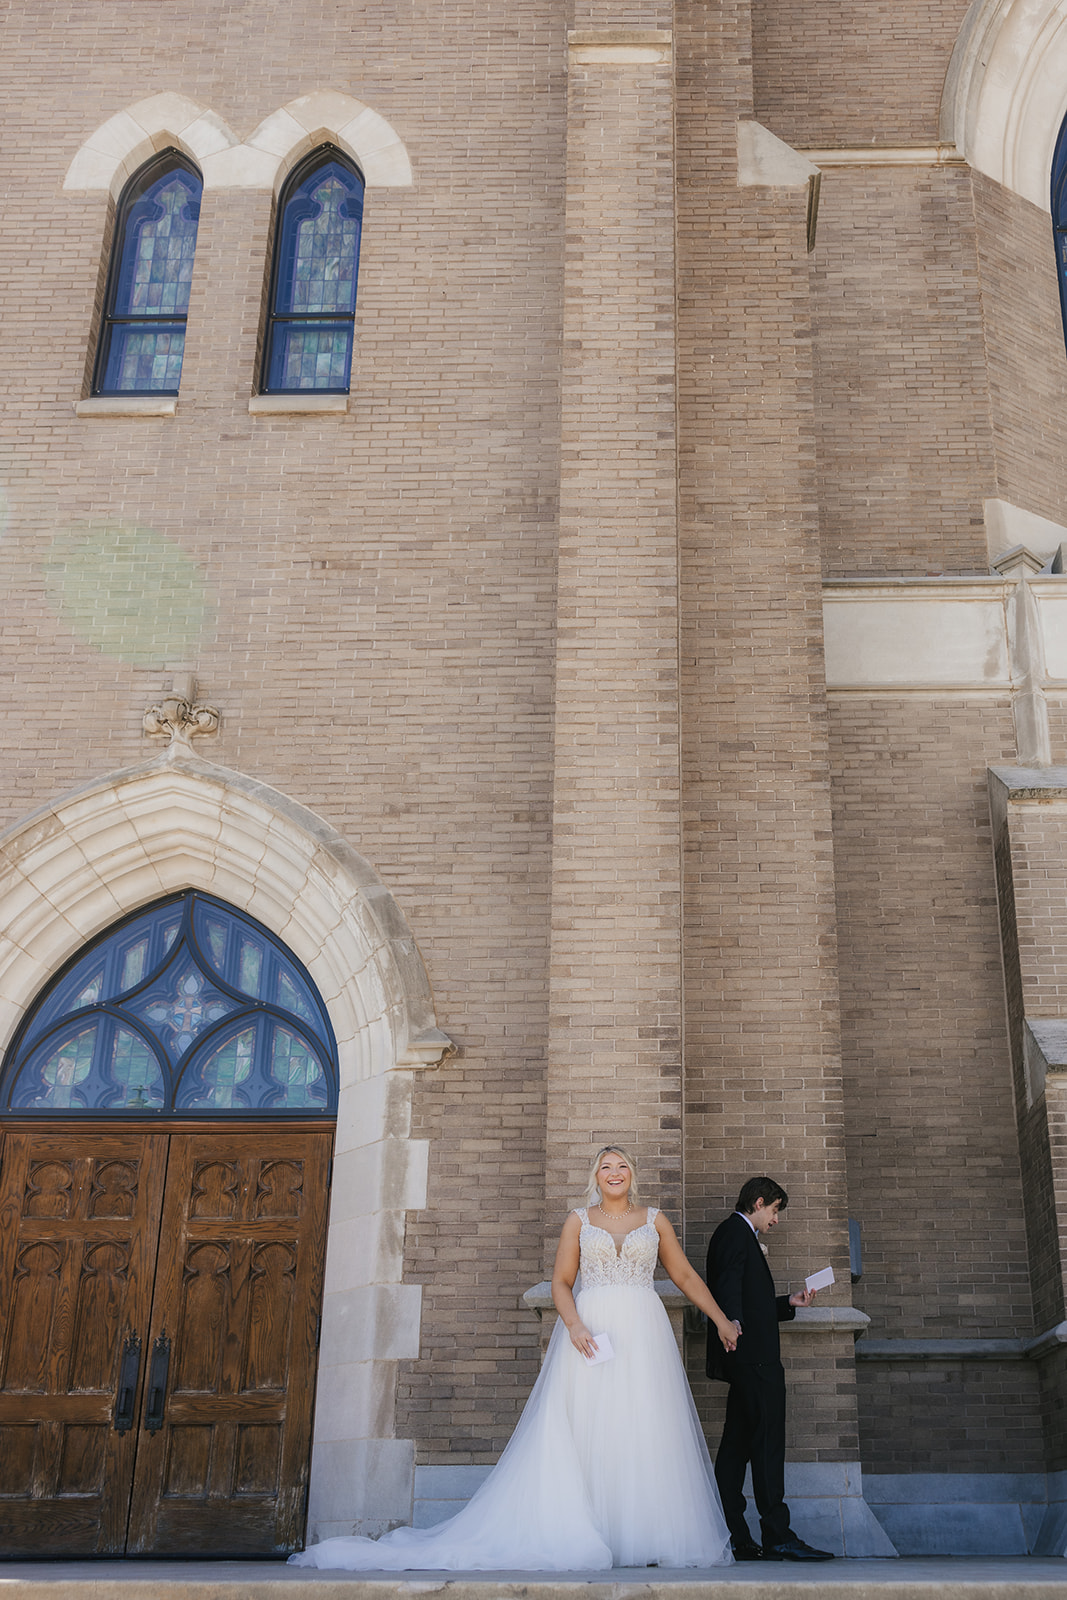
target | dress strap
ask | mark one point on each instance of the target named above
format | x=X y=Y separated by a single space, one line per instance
x=653 y=1213
x=581 y=1213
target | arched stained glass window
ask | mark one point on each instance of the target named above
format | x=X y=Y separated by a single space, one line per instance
x=142 y=339
x=313 y=283
x=1059 y=215
x=188 y=1007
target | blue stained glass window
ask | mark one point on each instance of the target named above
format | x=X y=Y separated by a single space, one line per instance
x=296 y=1071
x=142 y=340
x=188 y=1006
x=316 y=262
x=65 y=1070
x=221 y=1081
x=1059 y=216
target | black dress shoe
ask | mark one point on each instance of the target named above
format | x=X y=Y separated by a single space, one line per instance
x=746 y=1550
x=794 y=1549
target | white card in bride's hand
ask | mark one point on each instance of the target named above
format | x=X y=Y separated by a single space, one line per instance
x=603 y=1351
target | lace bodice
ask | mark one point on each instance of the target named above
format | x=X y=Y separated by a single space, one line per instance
x=632 y=1266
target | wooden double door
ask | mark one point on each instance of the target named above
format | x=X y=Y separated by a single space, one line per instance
x=159 y=1307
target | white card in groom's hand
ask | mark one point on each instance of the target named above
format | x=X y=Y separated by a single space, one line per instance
x=820 y=1280
x=603 y=1351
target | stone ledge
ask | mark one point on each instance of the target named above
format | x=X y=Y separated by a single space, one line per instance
x=1032 y=783
x=902 y=155
x=133 y=405
x=827 y=1319
x=963 y=1349
x=619 y=46
x=427 y=1049
x=280 y=405
x=619 y=36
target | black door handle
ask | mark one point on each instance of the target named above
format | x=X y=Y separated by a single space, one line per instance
x=157 y=1384
x=129 y=1367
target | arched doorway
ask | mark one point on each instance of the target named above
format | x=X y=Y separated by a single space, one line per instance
x=167 y=1121
x=107 y=850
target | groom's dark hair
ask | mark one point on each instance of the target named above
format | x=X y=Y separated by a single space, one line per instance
x=764 y=1189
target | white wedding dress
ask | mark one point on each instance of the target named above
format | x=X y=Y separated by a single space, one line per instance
x=608 y=1464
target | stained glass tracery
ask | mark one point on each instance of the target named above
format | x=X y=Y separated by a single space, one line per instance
x=313 y=298
x=143 y=337
x=188 y=1006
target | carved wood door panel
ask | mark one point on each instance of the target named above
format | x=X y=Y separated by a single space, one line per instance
x=79 y=1222
x=223 y=1458
x=159 y=1300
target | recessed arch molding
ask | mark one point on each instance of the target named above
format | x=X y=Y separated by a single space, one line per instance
x=1005 y=93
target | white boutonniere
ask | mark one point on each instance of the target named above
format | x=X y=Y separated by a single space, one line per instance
x=763 y=1247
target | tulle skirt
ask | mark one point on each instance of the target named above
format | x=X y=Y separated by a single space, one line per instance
x=607 y=1467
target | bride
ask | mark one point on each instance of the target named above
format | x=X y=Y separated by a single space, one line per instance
x=608 y=1464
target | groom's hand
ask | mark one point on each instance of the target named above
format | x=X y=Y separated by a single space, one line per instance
x=803 y=1297
x=729 y=1333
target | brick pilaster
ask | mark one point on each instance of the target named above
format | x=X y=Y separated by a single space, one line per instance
x=615 y=1032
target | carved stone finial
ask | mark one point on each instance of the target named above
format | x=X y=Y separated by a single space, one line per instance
x=180 y=721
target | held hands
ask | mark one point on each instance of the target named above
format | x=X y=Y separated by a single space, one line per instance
x=582 y=1339
x=729 y=1333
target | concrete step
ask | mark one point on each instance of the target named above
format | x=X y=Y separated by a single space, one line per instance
x=907 y=1578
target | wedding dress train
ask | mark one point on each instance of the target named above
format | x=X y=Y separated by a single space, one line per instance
x=608 y=1465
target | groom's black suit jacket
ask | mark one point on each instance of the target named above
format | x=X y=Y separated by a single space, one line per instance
x=740 y=1280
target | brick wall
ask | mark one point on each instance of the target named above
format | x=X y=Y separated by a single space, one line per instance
x=934 y=1170
x=821 y=1396
x=1024 y=349
x=852 y=73
x=951 y=1416
x=378 y=586
x=1036 y=989
x=1039 y=871
x=905 y=449
x=934 y=1176
x=1054 y=1408
x=762 y=1063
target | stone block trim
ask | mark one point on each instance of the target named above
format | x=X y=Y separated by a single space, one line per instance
x=114 y=152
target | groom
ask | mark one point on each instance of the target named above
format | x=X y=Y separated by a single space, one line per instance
x=740 y=1279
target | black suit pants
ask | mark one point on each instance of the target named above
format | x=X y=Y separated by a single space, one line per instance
x=754 y=1432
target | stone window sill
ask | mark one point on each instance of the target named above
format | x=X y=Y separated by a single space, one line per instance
x=134 y=405
x=279 y=405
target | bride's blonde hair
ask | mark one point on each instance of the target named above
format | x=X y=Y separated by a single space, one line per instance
x=592 y=1192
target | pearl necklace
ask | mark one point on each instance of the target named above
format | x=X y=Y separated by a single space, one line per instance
x=607 y=1215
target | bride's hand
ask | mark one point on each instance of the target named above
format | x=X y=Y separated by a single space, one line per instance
x=729 y=1333
x=582 y=1339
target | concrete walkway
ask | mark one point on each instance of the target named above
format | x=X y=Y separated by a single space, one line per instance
x=908 y=1578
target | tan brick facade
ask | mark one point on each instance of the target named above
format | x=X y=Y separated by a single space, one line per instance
x=535 y=623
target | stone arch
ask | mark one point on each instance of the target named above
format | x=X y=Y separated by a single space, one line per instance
x=287 y=136
x=1005 y=94
x=122 y=144
x=90 y=857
